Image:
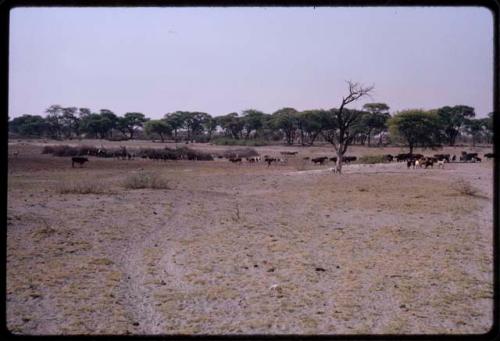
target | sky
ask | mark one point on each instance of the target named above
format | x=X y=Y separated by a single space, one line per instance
x=223 y=60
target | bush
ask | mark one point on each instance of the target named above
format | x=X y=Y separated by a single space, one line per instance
x=240 y=152
x=465 y=188
x=48 y=150
x=226 y=141
x=82 y=187
x=87 y=150
x=371 y=159
x=65 y=150
x=191 y=154
x=118 y=138
x=145 y=180
x=182 y=153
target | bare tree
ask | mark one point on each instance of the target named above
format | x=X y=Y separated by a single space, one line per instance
x=342 y=123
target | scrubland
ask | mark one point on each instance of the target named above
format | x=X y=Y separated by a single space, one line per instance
x=211 y=247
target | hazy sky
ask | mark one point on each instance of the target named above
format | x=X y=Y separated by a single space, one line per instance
x=222 y=60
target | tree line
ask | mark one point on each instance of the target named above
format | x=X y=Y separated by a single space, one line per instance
x=340 y=126
x=414 y=127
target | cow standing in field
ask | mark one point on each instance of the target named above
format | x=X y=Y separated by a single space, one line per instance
x=321 y=160
x=235 y=160
x=78 y=159
x=410 y=163
x=270 y=160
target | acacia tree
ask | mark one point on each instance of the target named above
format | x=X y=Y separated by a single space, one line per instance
x=53 y=120
x=210 y=125
x=376 y=118
x=309 y=123
x=286 y=120
x=111 y=119
x=133 y=120
x=176 y=121
x=452 y=119
x=342 y=124
x=416 y=127
x=232 y=124
x=252 y=121
x=159 y=127
x=28 y=125
x=194 y=122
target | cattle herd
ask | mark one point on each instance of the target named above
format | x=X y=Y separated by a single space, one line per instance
x=79 y=156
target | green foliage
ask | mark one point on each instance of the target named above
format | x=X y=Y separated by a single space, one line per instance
x=157 y=127
x=232 y=125
x=132 y=121
x=416 y=128
x=253 y=120
x=452 y=119
x=28 y=125
x=286 y=120
x=310 y=124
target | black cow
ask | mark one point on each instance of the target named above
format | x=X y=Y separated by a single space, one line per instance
x=440 y=157
x=489 y=155
x=235 y=159
x=349 y=159
x=270 y=160
x=319 y=160
x=78 y=159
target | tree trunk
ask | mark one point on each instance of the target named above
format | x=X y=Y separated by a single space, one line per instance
x=338 y=164
x=411 y=148
x=369 y=137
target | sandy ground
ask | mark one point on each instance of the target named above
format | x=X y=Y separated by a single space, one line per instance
x=248 y=249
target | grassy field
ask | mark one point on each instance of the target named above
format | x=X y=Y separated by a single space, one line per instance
x=210 y=247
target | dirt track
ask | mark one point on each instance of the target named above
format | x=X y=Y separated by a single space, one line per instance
x=380 y=249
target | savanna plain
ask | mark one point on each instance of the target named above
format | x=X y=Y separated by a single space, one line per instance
x=226 y=248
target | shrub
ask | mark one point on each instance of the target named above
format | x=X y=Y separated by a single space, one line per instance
x=65 y=150
x=371 y=159
x=465 y=188
x=174 y=154
x=240 y=152
x=118 y=138
x=48 y=150
x=82 y=187
x=87 y=150
x=226 y=141
x=145 y=180
x=191 y=154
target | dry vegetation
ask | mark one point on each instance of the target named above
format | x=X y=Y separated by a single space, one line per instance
x=82 y=187
x=146 y=180
x=246 y=248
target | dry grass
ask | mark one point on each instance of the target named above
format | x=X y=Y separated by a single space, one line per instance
x=82 y=187
x=465 y=188
x=146 y=180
